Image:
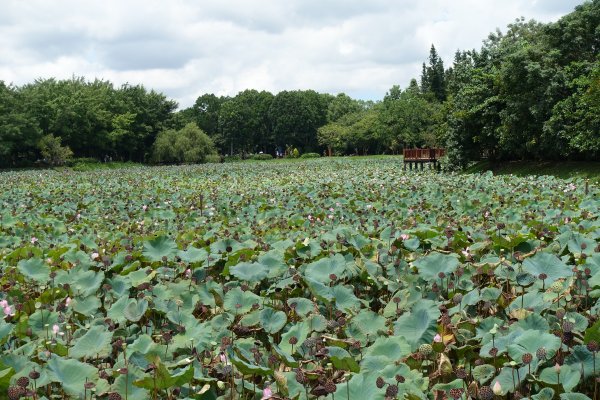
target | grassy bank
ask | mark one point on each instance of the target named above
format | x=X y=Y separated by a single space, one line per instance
x=565 y=170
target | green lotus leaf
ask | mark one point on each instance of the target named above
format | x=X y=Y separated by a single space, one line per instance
x=529 y=342
x=193 y=255
x=135 y=309
x=322 y=269
x=393 y=348
x=574 y=396
x=544 y=394
x=159 y=247
x=271 y=320
x=86 y=283
x=483 y=373
x=581 y=359
x=568 y=377
x=240 y=302
x=435 y=263
x=34 y=268
x=299 y=330
x=163 y=379
x=249 y=272
x=341 y=359
x=549 y=264
x=124 y=383
x=249 y=369
x=302 y=306
x=71 y=374
x=320 y=291
x=94 y=343
x=345 y=300
x=417 y=327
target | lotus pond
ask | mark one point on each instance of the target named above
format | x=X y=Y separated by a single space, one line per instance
x=331 y=279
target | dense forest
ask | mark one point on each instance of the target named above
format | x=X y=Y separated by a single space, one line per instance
x=532 y=92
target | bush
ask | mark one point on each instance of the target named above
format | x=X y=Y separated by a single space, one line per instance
x=232 y=158
x=81 y=160
x=213 y=158
x=53 y=151
x=263 y=156
x=310 y=155
x=295 y=153
x=189 y=145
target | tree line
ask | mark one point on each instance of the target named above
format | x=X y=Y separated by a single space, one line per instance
x=532 y=92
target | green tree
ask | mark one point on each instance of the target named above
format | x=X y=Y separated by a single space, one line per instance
x=341 y=105
x=295 y=117
x=433 y=78
x=19 y=131
x=244 y=123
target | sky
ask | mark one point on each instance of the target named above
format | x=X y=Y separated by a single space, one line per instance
x=185 y=48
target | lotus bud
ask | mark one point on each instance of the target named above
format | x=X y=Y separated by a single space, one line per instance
x=497 y=389
x=557 y=368
x=437 y=338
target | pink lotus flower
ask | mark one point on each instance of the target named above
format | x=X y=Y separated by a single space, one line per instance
x=8 y=310
x=223 y=357
x=34 y=240
x=188 y=273
x=404 y=236
x=95 y=255
x=67 y=301
x=55 y=329
x=3 y=303
x=267 y=393
x=437 y=338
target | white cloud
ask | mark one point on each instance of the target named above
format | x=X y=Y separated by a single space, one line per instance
x=185 y=48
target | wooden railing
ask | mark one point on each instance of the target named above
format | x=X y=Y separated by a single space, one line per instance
x=423 y=154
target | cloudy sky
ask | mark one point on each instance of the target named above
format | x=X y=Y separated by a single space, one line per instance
x=185 y=48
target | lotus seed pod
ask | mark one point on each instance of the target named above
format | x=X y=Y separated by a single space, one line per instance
x=330 y=386
x=456 y=393
x=567 y=326
x=15 y=392
x=541 y=353
x=527 y=357
x=592 y=346
x=391 y=391
x=486 y=393
x=556 y=287
x=380 y=382
x=114 y=396
x=23 y=382
x=425 y=349
x=300 y=377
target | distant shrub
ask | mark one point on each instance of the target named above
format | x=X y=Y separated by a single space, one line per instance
x=294 y=153
x=232 y=158
x=81 y=160
x=188 y=145
x=53 y=151
x=213 y=158
x=263 y=156
x=310 y=155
